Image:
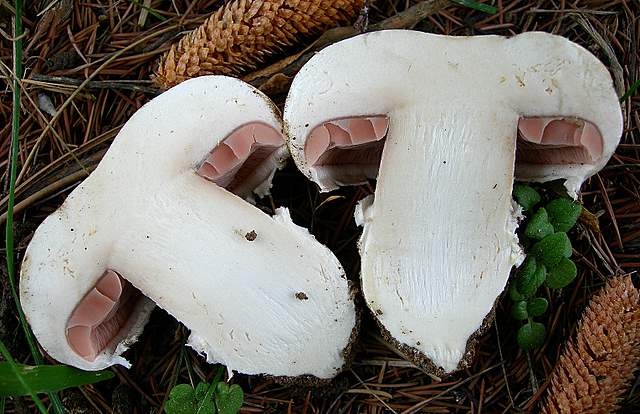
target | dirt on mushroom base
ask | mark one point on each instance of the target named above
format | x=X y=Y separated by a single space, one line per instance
x=421 y=360
x=380 y=368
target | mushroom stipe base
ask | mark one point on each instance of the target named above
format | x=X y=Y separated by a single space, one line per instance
x=419 y=359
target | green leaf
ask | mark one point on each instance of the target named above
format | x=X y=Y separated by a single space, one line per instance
x=563 y=214
x=514 y=294
x=45 y=378
x=204 y=395
x=15 y=370
x=632 y=89
x=540 y=274
x=552 y=249
x=562 y=274
x=182 y=400
x=537 y=306
x=526 y=196
x=519 y=310
x=531 y=335
x=526 y=280
x=539 y=226
x=229 y=398
x=201 y=390
x=477 y=6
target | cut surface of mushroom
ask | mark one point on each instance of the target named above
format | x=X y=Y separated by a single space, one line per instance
x=347 y=150
x=558 y=141
x=246 y=159
x=97 y=266
x=242 y=162
x=99 y=317
x=466 y=116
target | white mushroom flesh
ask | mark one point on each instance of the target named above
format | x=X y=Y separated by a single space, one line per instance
x=439 y=237
x=149 y=220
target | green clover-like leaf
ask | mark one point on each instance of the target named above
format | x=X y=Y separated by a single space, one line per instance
x=201 y=390
x=526 y=280
x=552 y=249
x=531 y=335
x=229 y=398
x=562 y=274
x=526 y=196
x=204 y=395
x=514 y=294
x=539 y=226
x=519 y=310
x=537 y=306
x=563 y=214
x=182 y=400
x=206 y=406
x=540 y=274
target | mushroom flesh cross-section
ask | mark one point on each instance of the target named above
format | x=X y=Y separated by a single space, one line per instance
x=153 y=225
x=464 y=117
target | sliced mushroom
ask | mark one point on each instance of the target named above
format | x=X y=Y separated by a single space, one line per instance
x=246 y=160
x=439 y=236
x=152 y=226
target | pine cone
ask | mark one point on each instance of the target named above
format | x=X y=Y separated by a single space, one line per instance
x=597 y=366
x=242 y=34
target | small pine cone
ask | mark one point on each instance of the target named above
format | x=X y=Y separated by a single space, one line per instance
x=244 y=33
x=596 y=367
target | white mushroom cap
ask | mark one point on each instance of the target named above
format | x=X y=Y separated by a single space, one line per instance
x=438 y=241
x=225 y=269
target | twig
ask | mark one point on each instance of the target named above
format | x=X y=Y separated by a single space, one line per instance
x=532 y=375
x=127 y=85
x=607 y=203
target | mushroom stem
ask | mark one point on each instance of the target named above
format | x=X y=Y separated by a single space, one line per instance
x=205 y=282
x=458 y=162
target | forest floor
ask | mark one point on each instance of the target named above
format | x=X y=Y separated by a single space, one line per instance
x=117 y=42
